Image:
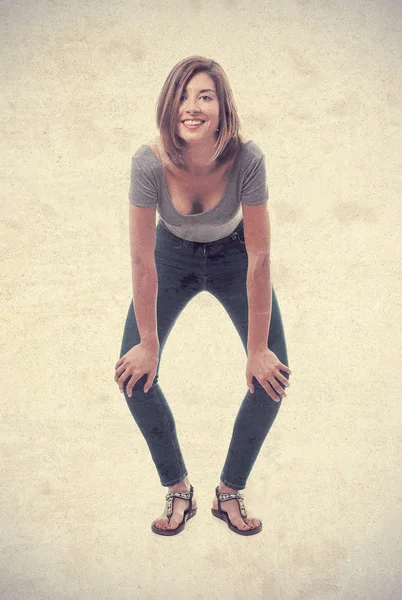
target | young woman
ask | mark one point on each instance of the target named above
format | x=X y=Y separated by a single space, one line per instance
x=209 y=187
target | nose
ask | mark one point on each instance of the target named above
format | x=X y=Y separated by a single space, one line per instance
x=192 y=106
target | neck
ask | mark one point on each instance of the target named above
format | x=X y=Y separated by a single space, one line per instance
x=197 y=157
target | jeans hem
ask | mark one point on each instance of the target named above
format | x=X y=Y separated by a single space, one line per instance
x=176 y=480
x=231 y=485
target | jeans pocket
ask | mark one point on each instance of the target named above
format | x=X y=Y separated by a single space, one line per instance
x=170 y=243
x=240 y=237
x=175 y=244
x=167 y=239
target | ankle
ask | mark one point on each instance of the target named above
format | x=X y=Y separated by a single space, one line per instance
x=183 y=485
x=226 y=489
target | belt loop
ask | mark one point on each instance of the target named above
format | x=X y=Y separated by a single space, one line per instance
x=233 y=235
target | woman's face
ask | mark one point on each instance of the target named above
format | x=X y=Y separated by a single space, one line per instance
x=199 y=102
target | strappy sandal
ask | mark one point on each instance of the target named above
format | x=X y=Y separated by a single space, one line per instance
x=188 y=513
x=221 y=514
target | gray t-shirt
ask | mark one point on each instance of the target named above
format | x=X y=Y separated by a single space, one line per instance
x=246 y=184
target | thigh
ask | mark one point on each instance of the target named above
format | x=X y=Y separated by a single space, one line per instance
x=172 y=297
x=233 y=297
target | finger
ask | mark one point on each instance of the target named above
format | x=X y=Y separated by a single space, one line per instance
x=121 y=359
x=122 y=377
x=119 y=371
x=284 y=368
x=149 y=381
x=269 y=391
x=129 y=388
x=277 y=387
x=249 y=379
x=128 y=381
x=274 y=396
x=132 y=382
x=282 y=379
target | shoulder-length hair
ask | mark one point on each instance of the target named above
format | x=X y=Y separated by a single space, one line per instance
x=229 y=139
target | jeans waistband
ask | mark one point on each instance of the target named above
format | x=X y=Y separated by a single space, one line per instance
x=232 y=235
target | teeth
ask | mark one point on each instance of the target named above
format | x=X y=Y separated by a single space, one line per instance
x=193 y=122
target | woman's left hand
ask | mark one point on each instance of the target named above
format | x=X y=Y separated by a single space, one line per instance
x=266 y=366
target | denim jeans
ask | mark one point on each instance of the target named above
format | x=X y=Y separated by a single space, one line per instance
x=184 y=270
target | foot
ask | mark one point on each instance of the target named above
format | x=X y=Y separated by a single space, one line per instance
x=179 y=506
x=231 y=507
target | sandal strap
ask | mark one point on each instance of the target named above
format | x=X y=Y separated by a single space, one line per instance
x=223 y=497
x=170 y=496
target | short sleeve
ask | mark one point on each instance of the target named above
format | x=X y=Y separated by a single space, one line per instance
x=255 y=189
x=143 y=188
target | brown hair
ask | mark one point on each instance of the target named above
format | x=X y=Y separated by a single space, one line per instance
x=229 y=138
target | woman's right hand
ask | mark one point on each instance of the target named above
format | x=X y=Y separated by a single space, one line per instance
x=141 y=359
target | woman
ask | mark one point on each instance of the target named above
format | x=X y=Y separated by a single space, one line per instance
x=209 y=187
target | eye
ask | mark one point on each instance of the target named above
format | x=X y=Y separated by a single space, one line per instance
x=183 y=95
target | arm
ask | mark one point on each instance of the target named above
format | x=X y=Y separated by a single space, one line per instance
x=257 y=236
x=144 y=274
x=143 y=195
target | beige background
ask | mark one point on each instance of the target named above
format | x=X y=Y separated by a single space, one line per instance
x=318 y=87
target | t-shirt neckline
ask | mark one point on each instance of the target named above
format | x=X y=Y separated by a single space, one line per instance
x=228 y=183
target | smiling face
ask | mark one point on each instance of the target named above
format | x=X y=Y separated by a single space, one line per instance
x=199 y=102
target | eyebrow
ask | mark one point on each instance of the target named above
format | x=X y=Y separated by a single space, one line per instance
x=206 y=90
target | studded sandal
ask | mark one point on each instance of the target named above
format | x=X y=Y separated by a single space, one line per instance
x=188 y=513
x=221 y=514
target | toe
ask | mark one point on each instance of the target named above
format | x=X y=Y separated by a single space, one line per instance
x=240 y=524
x=173 y=524
x=161 y=523
x=252 y=522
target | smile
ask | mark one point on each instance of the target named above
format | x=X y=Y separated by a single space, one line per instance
x=193 y=123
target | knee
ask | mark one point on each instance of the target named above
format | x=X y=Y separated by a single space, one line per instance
x=264 y=397
x=139 y=385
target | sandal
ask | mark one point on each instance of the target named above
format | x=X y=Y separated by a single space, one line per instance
x=222 y=497
x=188 y=513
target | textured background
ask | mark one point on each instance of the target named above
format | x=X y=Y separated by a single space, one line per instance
x=318 y=88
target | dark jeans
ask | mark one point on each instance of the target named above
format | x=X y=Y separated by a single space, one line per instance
x=184 y=270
